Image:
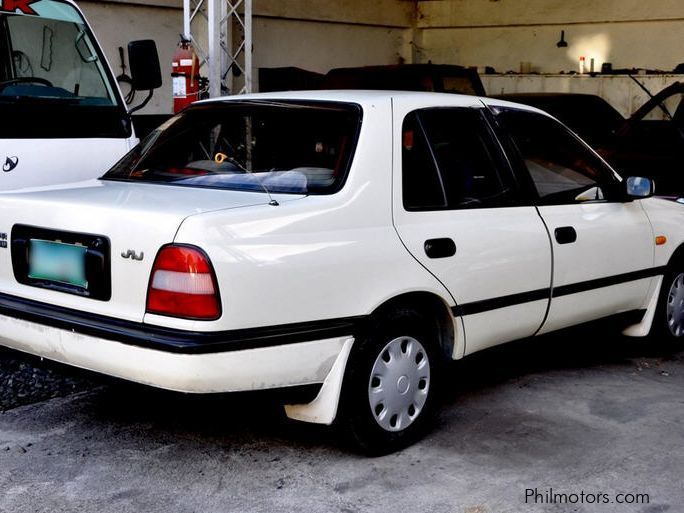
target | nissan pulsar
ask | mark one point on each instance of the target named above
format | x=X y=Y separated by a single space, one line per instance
x=342 y=246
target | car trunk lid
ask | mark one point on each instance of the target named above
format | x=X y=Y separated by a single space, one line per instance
x=134 y=220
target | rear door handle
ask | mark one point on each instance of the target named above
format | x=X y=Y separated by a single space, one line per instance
x=440 y=248
x=565 y=235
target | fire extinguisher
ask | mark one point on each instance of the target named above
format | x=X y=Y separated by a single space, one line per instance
x=185 y=73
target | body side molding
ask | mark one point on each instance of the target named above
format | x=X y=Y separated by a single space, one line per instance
x=486 y=305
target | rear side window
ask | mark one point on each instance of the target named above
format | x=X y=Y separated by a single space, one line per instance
x=422 y=183
x=563 y=168
x=450 y=160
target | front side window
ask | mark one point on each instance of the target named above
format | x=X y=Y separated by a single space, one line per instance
x=51 y=66
x=450 y=160
x=563 y=169
x=283 y=147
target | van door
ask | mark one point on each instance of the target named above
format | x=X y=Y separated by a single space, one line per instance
x=460 y=212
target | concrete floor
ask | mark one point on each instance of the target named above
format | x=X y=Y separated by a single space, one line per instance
x=576 y=412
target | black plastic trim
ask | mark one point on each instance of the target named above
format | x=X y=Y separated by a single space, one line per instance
x=175 y=340
x=97 y=260
x=598 y=283
x=440 y=248
x=486 y=305
x=565 y=235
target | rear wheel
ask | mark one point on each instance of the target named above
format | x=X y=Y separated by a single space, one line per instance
x=389 y=391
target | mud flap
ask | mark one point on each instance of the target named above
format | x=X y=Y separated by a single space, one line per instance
x=323 y=409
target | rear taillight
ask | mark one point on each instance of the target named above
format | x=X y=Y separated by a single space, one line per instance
x=183 y=284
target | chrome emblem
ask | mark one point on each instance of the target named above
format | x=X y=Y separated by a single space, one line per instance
x=10 y=164
x=132 y=254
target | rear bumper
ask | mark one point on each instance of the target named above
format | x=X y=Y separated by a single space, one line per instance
x=174 y=340
x=247 y=369
x=241 y=360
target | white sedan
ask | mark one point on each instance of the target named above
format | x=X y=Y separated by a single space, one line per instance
x=342 y=246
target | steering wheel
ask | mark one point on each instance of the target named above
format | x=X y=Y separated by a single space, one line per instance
x=25 y=80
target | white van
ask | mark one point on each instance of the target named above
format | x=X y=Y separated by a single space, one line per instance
x=63 y=118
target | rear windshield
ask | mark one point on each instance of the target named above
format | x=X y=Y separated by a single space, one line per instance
x=282 y=147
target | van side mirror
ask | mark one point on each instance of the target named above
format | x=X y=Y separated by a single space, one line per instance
x=637 y=187
x=144 y=63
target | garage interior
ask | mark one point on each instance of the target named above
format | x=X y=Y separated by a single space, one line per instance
x=585 y=411
x=517 y=40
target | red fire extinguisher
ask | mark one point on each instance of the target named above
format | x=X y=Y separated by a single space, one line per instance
x=186 y=78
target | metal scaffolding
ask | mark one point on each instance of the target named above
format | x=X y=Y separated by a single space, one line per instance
x=226 y=55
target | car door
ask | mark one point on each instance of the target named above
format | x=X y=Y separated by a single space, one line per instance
x=603 y=246
x=460 y=212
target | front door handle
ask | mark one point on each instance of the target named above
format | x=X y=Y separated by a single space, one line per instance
x=440 y=248
x=565 y=235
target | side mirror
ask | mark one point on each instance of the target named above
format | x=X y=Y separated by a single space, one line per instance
x=144 y=63
x=637 y=187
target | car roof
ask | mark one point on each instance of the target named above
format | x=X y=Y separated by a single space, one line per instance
x=343 y=95
x=546 y=95
x=368 y=96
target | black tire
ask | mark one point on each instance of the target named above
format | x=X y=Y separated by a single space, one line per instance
x=669 y=328
x=357 y=418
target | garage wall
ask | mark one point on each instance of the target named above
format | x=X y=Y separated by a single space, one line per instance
x=318 y=35
x=311 y=34
x=115 y=24
x=504 y=33
x=618 y=90
x=321 y=34
x=279 y=42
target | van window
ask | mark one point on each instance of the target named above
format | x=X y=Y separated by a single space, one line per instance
x=50 y=66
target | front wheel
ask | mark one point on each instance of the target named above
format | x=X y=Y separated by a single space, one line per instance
x=668 y=324
x=389 y=391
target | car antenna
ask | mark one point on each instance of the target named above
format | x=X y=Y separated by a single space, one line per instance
x=271 y=200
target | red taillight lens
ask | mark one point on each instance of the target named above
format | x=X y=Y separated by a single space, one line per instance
x=183 y=284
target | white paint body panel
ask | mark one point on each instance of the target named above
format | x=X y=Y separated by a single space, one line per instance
x=491 y=244
x=138 y=217
x=612 y=239
x=322 y=257
x=52 y=161
x=667 y=218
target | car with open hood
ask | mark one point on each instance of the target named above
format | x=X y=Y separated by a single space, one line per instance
x=649 y=142
x=343 y=245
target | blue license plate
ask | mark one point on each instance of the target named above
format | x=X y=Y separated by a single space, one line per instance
x=57 y=262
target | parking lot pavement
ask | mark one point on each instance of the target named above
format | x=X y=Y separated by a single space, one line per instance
x=577 y=413
x=26 y=380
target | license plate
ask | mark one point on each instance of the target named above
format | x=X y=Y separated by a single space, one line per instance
x=57 y=262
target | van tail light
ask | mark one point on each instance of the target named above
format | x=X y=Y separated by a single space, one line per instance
x=183 y=284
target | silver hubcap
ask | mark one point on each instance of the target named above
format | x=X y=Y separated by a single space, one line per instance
x=675 y=306
x=399 y=383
